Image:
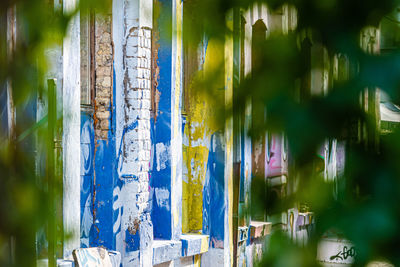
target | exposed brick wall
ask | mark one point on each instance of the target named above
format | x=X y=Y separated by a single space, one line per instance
x=137 y=103
x=103 y=75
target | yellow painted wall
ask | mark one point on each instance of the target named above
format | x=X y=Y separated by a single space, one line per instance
x=206 y=102
x=209 y=111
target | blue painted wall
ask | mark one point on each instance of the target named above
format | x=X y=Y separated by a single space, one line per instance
x=160 y=176
x=214 y=192
x=98 y=172
x=86 y=168
x=97 y=181
x=105 y=180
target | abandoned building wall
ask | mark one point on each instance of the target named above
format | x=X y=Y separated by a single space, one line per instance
x=158 y=152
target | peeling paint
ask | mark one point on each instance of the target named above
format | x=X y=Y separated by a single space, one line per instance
x=162 y=156
x=198 y=131
x=162 y=198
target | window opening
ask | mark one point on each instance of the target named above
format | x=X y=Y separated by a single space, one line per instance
x=87 y=57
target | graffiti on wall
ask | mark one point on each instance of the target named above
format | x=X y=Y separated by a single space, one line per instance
x=336 y=251
x=214 y=207
x=132 y=226
x=300 y=225
x=344 y=254
x=126 y=156
x=276 y=155
x=86 y=168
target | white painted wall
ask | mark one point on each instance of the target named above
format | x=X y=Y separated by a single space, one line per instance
x=71 y=131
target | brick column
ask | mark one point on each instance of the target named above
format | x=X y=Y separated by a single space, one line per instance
x=133 y=228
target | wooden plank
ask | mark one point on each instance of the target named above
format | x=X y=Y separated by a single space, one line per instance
x=91 y=257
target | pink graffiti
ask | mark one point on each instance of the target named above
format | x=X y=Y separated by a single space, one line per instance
x=276 y=163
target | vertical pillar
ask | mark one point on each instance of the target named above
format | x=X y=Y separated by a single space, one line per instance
x=133 y=229
x=228 y=136
x=166 y=180
x=176 y=125
x=161 y=169
x=71 y=134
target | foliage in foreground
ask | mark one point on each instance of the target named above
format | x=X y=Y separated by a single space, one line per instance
x=364 y=210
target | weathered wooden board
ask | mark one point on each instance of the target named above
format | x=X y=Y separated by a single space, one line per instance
x=91 y=257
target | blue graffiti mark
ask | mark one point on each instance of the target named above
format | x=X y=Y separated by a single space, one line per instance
x=206 y=204
x=203 y=49
x=129 y=176
x=118 y=206
x=87 y=144
x=127 y=238
x=86 y=167
x=214 y=207
x=160 y=179
x=86 y=223
x=126 y=129
x=248 y=241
